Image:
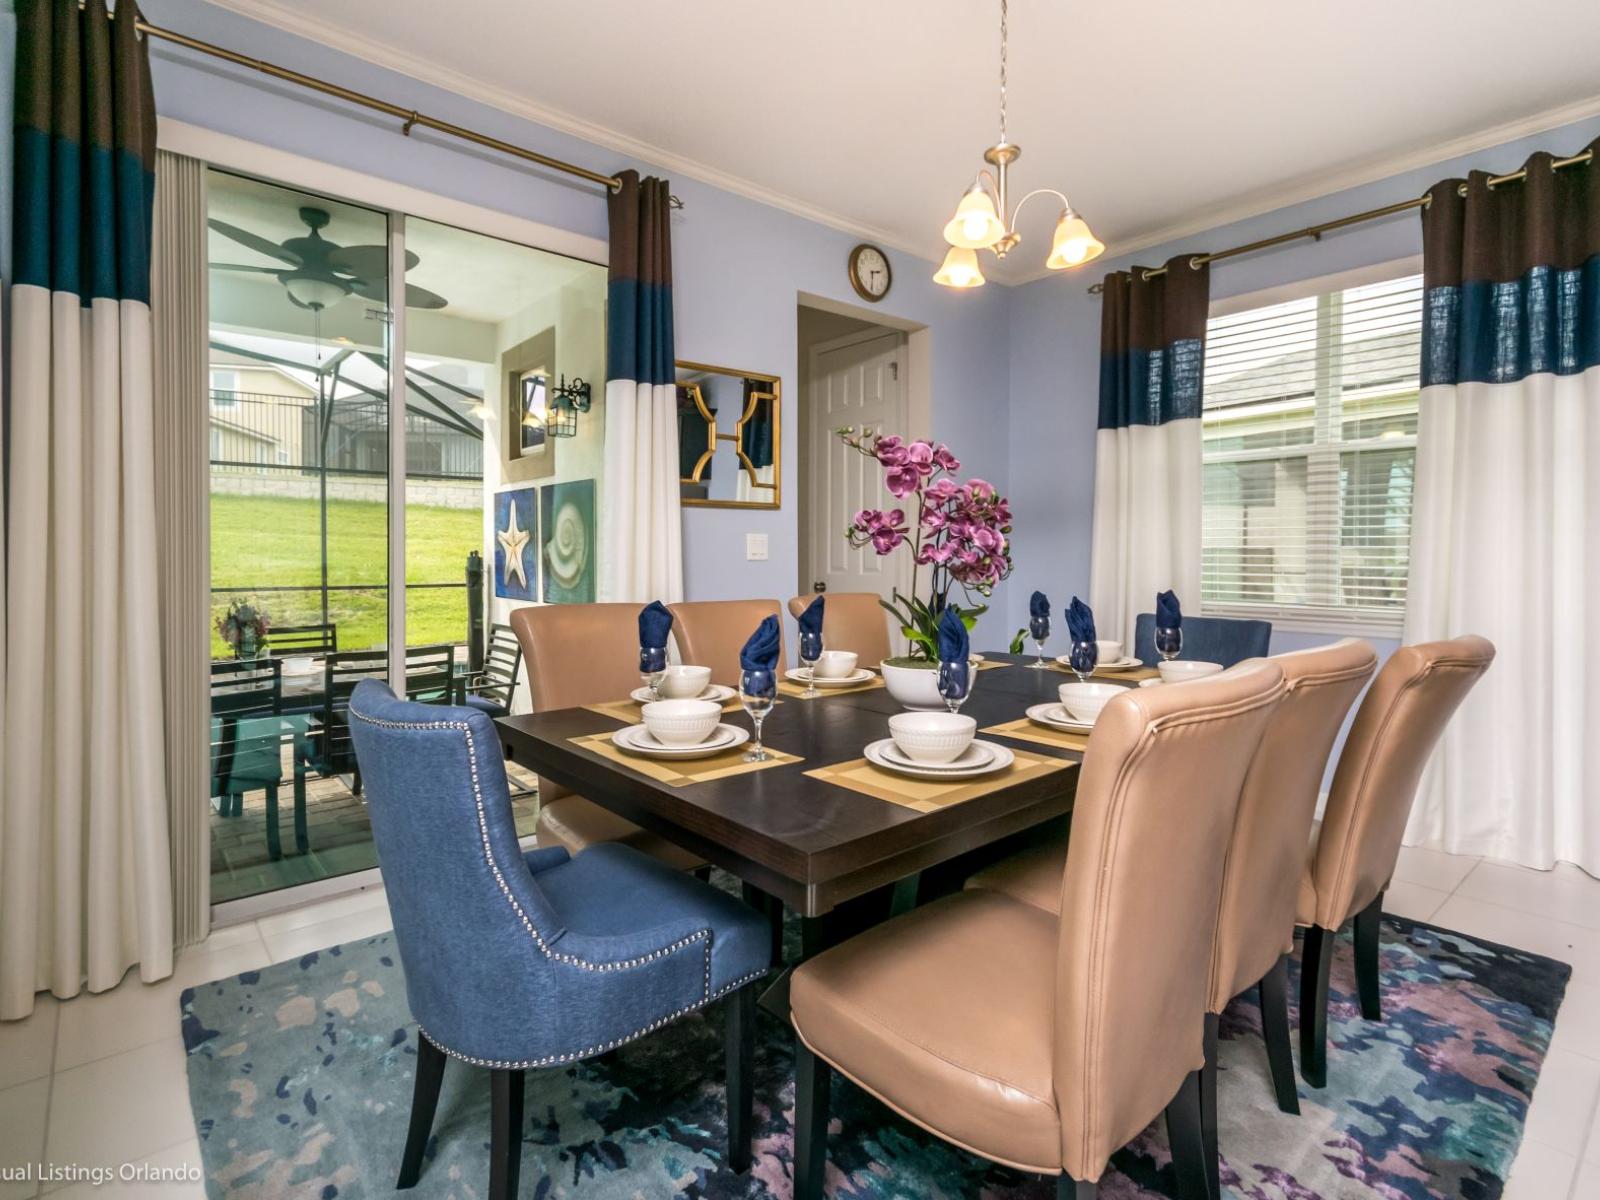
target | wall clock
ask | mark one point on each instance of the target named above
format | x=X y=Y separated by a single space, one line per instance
x=869 y=272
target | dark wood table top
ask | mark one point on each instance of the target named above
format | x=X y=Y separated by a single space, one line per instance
x=810 y=843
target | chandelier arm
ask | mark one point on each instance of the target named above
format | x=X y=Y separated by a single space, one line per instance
x=1012 y=223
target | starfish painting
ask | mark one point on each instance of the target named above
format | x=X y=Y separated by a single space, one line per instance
x=513 y=541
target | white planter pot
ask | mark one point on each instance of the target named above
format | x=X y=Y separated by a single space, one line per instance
x=916 y=688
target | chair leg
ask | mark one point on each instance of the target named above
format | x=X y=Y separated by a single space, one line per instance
x=302 y=839
x=1208 y=1108
x=505 y=1133
x=424 y=1100
x=1368 y=921
x=739 y=1011
x=1272 y=993
x=1068 y=1188
x=274 y=842
x=1188 y=1141
x=703 y=874
x=1316 y=961
x=812 y=1077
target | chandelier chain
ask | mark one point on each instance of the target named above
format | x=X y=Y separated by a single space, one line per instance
x=1002 y=70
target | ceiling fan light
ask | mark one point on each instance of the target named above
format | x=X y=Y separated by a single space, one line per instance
x=1073 y=244
x=314 y=293
x=976 y=225
x=960 y=269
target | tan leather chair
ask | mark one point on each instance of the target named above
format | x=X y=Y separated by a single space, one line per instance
x=1047 y=1041
x=710 y=633
x=585 y=654
x=853 y=621
x=1353 y=860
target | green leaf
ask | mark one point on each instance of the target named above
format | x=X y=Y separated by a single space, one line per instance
x=1018 y=643
x=920 y=638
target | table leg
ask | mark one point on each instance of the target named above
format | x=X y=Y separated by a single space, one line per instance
x=905 y=894
x=274 y=847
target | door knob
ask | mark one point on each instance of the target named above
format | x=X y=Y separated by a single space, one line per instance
x=818 y=586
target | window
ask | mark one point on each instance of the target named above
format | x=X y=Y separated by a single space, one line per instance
x=1310 y=435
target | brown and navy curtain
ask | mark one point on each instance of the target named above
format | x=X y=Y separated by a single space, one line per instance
x=641 y=542
x=1506 y=506
x=1147 y=447
x=84 y=863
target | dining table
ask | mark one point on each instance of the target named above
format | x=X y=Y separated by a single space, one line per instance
x=818 y=827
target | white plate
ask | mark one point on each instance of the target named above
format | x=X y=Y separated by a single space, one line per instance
x=1126 y=663
x=1057 y=717
x=716 y=694
x=636 y=739
x=803 y=675
x=1002 y=759
x=977 y=754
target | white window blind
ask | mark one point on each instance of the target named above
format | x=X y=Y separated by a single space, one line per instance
x=1310 y=436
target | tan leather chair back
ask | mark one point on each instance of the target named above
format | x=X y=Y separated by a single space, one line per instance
x=577 y=654
x=853 y=621
x=1150 y=827
x=1393 y=735
x=1266 y=856
x=711 y=633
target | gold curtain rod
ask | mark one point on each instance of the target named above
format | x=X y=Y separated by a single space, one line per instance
x=410 y=116
x=1315 y=232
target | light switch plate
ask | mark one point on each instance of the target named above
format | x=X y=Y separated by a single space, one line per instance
x=755 y=547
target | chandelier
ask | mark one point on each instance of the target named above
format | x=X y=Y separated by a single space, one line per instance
x=980 y=222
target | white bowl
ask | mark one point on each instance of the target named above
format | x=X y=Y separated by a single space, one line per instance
x=683 y=682
x=1181 y=669
x=932 y=737
x=1085 y=700
x=681 y=722
x=1109 y=651
x=834 y=664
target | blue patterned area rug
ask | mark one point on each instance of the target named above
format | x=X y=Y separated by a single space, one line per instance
x=301 y=1074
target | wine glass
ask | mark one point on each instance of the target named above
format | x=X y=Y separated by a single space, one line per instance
x=652 y=666
x=757 y=689
x=1084 y=658
x=1039 y=630
x=810 y=651
x=955 y=682
x=1169 y=640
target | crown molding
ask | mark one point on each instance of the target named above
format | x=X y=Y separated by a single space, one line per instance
x=1369 y=170
x=325 y=33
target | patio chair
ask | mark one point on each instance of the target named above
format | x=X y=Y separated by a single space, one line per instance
x=301 y=694
x=247 y=732
x=492 y=689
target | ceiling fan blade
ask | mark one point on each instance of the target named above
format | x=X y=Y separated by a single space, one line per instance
x=369 y=262
x=242 y=267
x=255 y=242
x=416 y=297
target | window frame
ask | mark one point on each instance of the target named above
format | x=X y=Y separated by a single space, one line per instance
x=1312 y=618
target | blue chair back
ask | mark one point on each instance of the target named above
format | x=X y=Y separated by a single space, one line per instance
x=1206 y=639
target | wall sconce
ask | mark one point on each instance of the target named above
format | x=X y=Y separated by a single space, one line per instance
x=567 y=400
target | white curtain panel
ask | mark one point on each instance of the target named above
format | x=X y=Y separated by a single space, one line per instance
x=1146 y=521
x=1506 y=543
x=641 y=526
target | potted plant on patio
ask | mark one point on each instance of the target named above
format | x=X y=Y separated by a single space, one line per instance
x=244 y=627
x=959 y=530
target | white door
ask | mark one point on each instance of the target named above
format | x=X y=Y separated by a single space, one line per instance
x=856 y=381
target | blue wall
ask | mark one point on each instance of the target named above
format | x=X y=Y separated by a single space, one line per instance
x=738 y=264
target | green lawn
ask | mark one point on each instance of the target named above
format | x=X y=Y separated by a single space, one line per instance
x=259 y=542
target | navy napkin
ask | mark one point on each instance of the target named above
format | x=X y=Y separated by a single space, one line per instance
x=1080 y=622
x=655 y=622
x=1168 y=614
x=811 y=619
x=760 y=653
x=1038 y=606
x=953 y=645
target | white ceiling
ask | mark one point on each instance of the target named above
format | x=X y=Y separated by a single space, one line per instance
x=1158 y=118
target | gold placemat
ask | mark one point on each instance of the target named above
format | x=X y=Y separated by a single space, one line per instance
x=1131 y=675
x=989 y=664
x=628 y=710
x=787 y=687
x=1030 y=731
x=930 y=795
x=677 y=773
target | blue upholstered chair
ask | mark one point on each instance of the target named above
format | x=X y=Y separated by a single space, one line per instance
x=514 y=962
x=1206 y=639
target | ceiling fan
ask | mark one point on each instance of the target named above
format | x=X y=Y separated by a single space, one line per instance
x=318 y=273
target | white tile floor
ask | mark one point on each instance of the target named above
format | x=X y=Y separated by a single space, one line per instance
x=100 y=1079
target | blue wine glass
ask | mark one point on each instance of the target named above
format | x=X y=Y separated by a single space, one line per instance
x=810 y=651
x=1039 y=631
x=652 y=666
x=1085 y=657
x=758 y=690
x=1169 y=640
x=955 y=682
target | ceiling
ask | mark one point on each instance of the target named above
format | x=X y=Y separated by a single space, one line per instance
x=1157 y=119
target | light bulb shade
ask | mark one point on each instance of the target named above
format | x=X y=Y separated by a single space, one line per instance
x=314 y=293
x=960 y=269
x=975 y=225
x=1073 y=244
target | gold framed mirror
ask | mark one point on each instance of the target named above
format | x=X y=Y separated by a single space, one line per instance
x=729 y=437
